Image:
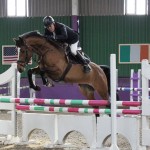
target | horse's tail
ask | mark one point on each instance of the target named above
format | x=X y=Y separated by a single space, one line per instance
x=106 y=70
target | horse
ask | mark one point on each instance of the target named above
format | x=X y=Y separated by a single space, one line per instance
x=54 y=62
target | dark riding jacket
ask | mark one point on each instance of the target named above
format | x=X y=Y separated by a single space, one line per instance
x=63 y=34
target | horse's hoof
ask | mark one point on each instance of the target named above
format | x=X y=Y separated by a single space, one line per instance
x=37 y=88
x=48 y=84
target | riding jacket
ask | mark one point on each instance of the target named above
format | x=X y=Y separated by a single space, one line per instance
x=63 y=34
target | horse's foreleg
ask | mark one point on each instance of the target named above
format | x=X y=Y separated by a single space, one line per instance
x=44 y=80
x=31 y=83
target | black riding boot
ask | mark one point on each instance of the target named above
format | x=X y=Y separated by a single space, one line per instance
x=86 y=66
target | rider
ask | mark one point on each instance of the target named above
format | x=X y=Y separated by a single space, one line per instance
x=62 y=33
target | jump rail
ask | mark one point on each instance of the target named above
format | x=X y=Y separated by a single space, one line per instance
x=114 y=111
x=70 y=102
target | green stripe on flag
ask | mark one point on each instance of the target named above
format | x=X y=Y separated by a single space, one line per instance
x=125 y=53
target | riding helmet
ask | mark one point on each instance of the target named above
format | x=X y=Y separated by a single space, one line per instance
x=48 y=20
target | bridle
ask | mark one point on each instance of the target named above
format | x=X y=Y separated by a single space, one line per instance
x=28 y=47
x=26 y=60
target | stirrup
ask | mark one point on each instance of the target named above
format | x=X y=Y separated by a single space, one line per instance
x=87 y=68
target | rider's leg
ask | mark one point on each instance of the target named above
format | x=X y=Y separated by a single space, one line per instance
x=79 y=56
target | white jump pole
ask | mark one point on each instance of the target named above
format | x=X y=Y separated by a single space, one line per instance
x=139 y=83
x=32 y=91
x=18 y=84
x=8 y=127
x=113 y=103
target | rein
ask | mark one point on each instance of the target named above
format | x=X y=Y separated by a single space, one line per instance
x=26 y=61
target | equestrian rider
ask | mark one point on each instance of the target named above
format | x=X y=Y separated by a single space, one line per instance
x=62 y=33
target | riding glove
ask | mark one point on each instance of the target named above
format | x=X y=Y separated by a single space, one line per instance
x=50 y=37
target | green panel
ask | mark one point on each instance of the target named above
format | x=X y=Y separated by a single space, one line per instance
x=101 y=35
x=124 y=53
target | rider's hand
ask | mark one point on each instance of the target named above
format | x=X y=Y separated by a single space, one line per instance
x=50 y=37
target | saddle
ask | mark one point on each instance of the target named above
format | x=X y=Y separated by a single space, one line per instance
x=72 y=59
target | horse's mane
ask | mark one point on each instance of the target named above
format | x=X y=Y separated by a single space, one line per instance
x=38 y=34
x=31 y=33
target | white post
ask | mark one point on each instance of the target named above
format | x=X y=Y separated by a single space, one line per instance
x=145 y=103
x=31 y=91
x=139 y=84
x=113 y=103
x=8 y=127
x=18 y=84
x=14 y=94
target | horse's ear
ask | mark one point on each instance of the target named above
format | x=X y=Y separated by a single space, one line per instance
x=17 y=41
x=14 y=39
x=21 y=40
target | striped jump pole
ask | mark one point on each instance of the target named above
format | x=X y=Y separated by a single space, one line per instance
x=75 y=110
x=70 y=102
x=128 y=89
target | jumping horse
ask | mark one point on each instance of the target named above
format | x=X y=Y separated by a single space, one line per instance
x=56 y=66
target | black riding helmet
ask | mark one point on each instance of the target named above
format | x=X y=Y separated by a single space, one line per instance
x=48 y=20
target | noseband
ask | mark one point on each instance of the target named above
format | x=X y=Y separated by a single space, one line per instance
x=24 y=61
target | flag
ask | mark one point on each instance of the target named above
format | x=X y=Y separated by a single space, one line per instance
x=9 y=54
x=133 y=53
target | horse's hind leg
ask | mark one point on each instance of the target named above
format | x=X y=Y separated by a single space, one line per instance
x=103 y=92
x=87 y=91
x=102 y=89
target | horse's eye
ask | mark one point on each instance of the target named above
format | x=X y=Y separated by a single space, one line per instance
x=22 y=51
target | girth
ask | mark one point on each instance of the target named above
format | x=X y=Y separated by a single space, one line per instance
x=64 y=73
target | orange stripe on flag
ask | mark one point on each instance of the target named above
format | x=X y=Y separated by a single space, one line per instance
x=144 y=52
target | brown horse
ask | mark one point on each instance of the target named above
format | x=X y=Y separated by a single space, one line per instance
x=54 y=62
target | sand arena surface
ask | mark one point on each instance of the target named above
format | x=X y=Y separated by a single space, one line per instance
x=75 y=139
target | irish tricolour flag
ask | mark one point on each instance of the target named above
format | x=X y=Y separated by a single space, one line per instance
x=133 y=53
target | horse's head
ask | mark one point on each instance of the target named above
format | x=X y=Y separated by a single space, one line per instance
x=34 y=42
x=24 y=54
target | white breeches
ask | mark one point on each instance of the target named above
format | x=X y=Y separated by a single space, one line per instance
x=73 y=48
